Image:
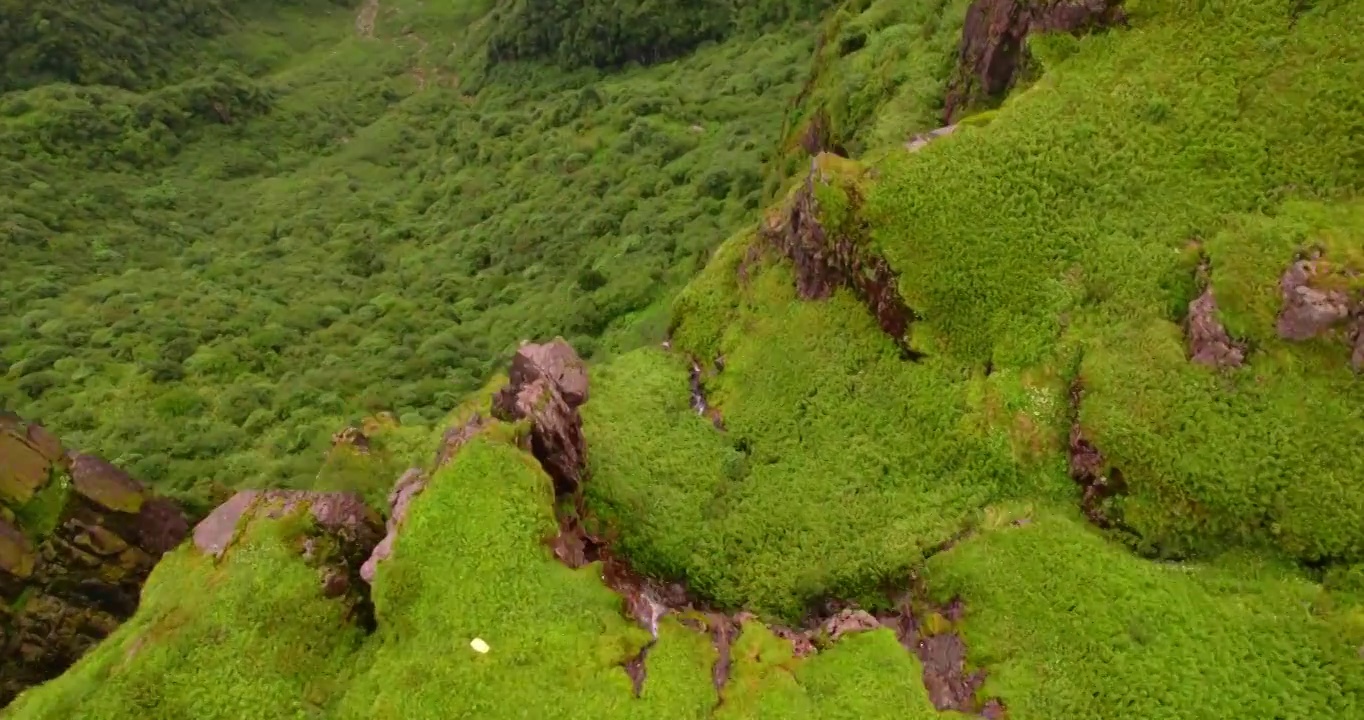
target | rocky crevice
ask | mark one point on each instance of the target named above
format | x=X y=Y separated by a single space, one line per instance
x=699 y=401
x=993 y=50
x=547 y=386
x=825 y=261
x=1089 y=469
x=931 y=635
x=78 y=537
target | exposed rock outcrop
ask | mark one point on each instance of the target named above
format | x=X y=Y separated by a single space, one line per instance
x=546 y=385
x=826 y=260
x=942 y=652
x=78 y=537
x=699 y=402
x=1209 y=342
x=992 y=49
x=339 y=541
x=1310 y=311
x=1316 y=304
x=409 y=486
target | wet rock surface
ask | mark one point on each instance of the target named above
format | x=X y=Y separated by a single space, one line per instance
x=341 y=539
x=824 y=262
x=920 y=141
x=67 y=583
x=699 y=402
x=992 y=50
x=942 y=652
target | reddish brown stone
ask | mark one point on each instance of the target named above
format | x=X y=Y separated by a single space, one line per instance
x=824 y=262
x=411 y=484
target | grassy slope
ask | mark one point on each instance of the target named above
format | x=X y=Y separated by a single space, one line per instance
x=208 y=303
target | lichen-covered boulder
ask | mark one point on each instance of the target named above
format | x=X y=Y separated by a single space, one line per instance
x=28 y=456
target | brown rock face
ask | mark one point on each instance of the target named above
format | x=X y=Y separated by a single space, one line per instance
x=824 y=262
x=76 y=572
x=343 y=535
x=943 y=656
x=546 y=385
x=1209 y=343
x=992 y=48
x=1308 y=311
x=29 y=455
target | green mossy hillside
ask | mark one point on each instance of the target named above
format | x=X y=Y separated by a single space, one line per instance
x=1060 y=234
x=878 y=75
x=840 y=464
x=610 y=33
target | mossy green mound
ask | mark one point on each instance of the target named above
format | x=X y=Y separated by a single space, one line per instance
x=1071 y=625
x=1049 y=257
x=839 y=467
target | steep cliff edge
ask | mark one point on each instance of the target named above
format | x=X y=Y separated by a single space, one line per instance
x=78 y=537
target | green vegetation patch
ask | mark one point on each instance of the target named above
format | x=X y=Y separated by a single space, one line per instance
x=1070 y=625
x=865 y=675
x=839 y=466
x=205 y=279
x=879 y=75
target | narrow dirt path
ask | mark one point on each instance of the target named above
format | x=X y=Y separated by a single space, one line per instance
x=364 y=20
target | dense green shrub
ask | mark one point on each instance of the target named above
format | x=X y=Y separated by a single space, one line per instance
x=607 y=33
